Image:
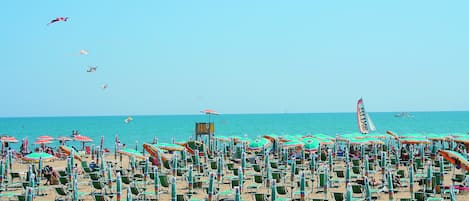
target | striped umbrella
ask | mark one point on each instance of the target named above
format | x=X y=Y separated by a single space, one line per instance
x=293 y=170
x=240 y=178
x=118 y=187
x=210 y=186
x=145 y=171
x=220 y=169
x=348 y=194
x=173 y=189
x=367 y=190
x=109 y=175
x=348 y=175
x=273 y=192
x=29 y=194
x=156 y=186
x=190 y=179
x=390 y=185
x=7 y=169
x=237 y=194
x=411 y=181
x=302 y=186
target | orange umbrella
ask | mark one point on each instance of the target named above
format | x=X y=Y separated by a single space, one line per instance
x=8 y=139
x=82 y=138
x=455 y=158
x=63 y=139
x=45 y=137
x=41 y=141
x=209 y=111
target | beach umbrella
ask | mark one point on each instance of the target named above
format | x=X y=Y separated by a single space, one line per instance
x=452 y=195
x=326 y=182
x=72 y=159
x=68 y=169
x=132 y=164
x=310 y=144
x=63 y=139
x=330 y=161
x=118 y=187
x=102 y=143
x=75 y=190
x=40 y=166
x=109 y=176
x=455 y=158
x=240 y=178
x=302 y=186
x=7 y=167
x=268 y=176
x=367 y=166
x=131 y=152
x=362 y=151
x=210 y=186
x=257 y=144
x=367 y=189
x=390 y=185
x=173 y=189
x=69 y=151
x=293 y=169
x=92 y=152
x=243 y=161
x=349 y=193
x=8 y=139
x=32 y=178
x=442 y=170
x=29 y=194
x=2 y=173
x=348 y=174
x=347 y=155
x=397 y=157
x=145 y=170
x=183 y=158
x=190 y=179
x=82 y=139
x=273 y=192
x=129 y=194
x=285 y=155
x=197 y=160
x=422 y=153
x=383 y=162
x=219 y=169
x=237 y=194
x=312 y=163
x=156 y=184
x=175 y=165
x=34 y=157
x=411 y=181
x=429 y=176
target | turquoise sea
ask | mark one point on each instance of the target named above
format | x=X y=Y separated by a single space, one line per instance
x=181 y=127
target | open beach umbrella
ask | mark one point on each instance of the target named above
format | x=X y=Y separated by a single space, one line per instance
x=173 y=189
x=118 y=187
x=257 y=144
x=210 y=186
x=70 y=151
x=170 y=147
x=156 y=184
x=273 y=191
x=131 y=152
x=9 y=139
x=83 y=139
x=45 y=137
x=455 y=158
x=302 y=186
x=34 y=157
x=390 y=185
x=415 y=140
x=310 y=144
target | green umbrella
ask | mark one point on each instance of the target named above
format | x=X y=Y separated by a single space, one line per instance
x=131 y=153
x=109 y=176
x=266 y=160
x=92 y=152
x=69 y=169
x=302 y=186
x=243 y=161
x=34 y=157
x=210 y=186
x=10 y=159
x=442 y=170
x=132 y=164
x=411 y=181
x=102 y=167
x=348 y=174
x=72 y=158
x=367 y=166
x=422 y=153
x=390 y=185
x=39 y=172
x=173 y=189
x=330 y=161
x=367 y=190
x=347 y=156
x=326 y=182
x=268 y=176
x=29 y=194
x=118 y=187
x=362 y=152
x=293 y=169
x=273 y=192
x=258 y=144
x=383 y=162
x=145 y=171
x=312 y=163
x=184 y=157
x=285 y=155
x=397 y=157
x=220 y=169
x=129 y=194
x=32 y=183
x=156 y=185
x=75 y=190
x=2 y=173
x=429 y=176
x=240 y=177
x=197 y=161
x=190 y=179
x=349 y=193
x=452 y=195
x=237 y=194
x=375 y=151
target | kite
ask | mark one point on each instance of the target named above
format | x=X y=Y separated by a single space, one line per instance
x=104 y=87
x=58 y=19
x=91 y=69
x=128 y=120
x=84 y=52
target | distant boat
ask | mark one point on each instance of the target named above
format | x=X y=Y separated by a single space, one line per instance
x=365 y=125
x=404 y=115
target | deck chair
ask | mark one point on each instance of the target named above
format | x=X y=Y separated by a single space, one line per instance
x=126 y=180
x=357 y=189
x=256 y=167
x=458 y=178
x=260 y=197
x=338 y=196
x=100 y=197
x=282 y=190
x=15 y=175
x=164 y=180
x=63 y=180
x=98 y=185
x=277 y=176
x=419 y=196
x=258 y=181
x=62 y=193
x=21 y=197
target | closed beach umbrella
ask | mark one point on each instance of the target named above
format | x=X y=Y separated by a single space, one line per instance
x=241 y=179
x=2 y=173
x=129 y=194
x=273 y=192
x=383 y=162
x=348 y=175
x=156 y=186
x=175 y=165
x=145 y=170
x=210 y=186
x=302 y=186
x=132 y=164
x=367 y=190
x=118 y=187
x=367 y=166
x=326 y=182
x=411 y=181
x=266 y=160
x=362 y=151
x=109 y=176
x=75 y=190
x=331 y=163
x=39 y=172
x=183 y=157
x=397 y=157
x=268 y=176
x=92 y=152
x=452 y=195
x=349 y=193
x=173 y=189
x=390 y=185
x=69 y=169
x=442 y=170
x=429 y=175
x=422 y=152
x=72 y=159
x=312 y=163
x=29 y=194
x=10 y=159
x=219 y=169
x=237 y=194
x=102 y=167
x=293 y=169
x=190 y=179
x=243 y=161
x=197 y=161
x=285 y=155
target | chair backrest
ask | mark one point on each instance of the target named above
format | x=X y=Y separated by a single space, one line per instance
x=340 y=173
x=234 y=182
x=281 y=190
x=419 y=196
x=356 y=170
x=256 y=167
x=134 y=190
x=260 y=197
x=21 y=197
x=98 y=185
x=60 y=191
x=338 y=196
x=99 y=197
x=125 y=179
x=180 y=197
x=164 y=180
x=63 y=180
x=357 y=189
x=258 y=178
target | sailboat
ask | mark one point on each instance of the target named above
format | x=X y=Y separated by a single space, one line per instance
x=365 y=125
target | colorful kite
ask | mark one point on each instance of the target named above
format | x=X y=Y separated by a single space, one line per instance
x=64 y=19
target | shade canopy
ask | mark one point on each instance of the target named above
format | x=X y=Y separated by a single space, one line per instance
x=34 y=157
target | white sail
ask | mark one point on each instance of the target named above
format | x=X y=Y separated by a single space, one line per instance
x=371 y=126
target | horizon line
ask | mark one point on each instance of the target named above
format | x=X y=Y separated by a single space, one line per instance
x=193 y=114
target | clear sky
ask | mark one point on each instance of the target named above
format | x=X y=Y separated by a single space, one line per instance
x=244 y=56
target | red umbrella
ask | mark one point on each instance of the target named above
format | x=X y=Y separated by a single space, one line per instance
x=82 y=138
x=8 y=139
x=63 y=139
x=42 y=141
x=209 y=111
x=45 y=137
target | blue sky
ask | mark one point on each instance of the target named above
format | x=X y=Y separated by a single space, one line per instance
x=179 y=57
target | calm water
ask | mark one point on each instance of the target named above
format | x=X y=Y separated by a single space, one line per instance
x=144 y=128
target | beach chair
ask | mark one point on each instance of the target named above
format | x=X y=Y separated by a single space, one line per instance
x=357 y=189
x=62 y=193
x=338 y=196
x=15 y=175
x=98 y=185
x=21 y=197
x=64 y=180
x=277 y=176
x=164 y=180
x=100 y=197
x=253 y=187
x=282 y=190
x=260 y=197
x=458 y=178
x=419 y=196
x=256 y=167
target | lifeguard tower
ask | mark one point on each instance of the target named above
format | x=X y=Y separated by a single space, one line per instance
x=205 y=131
